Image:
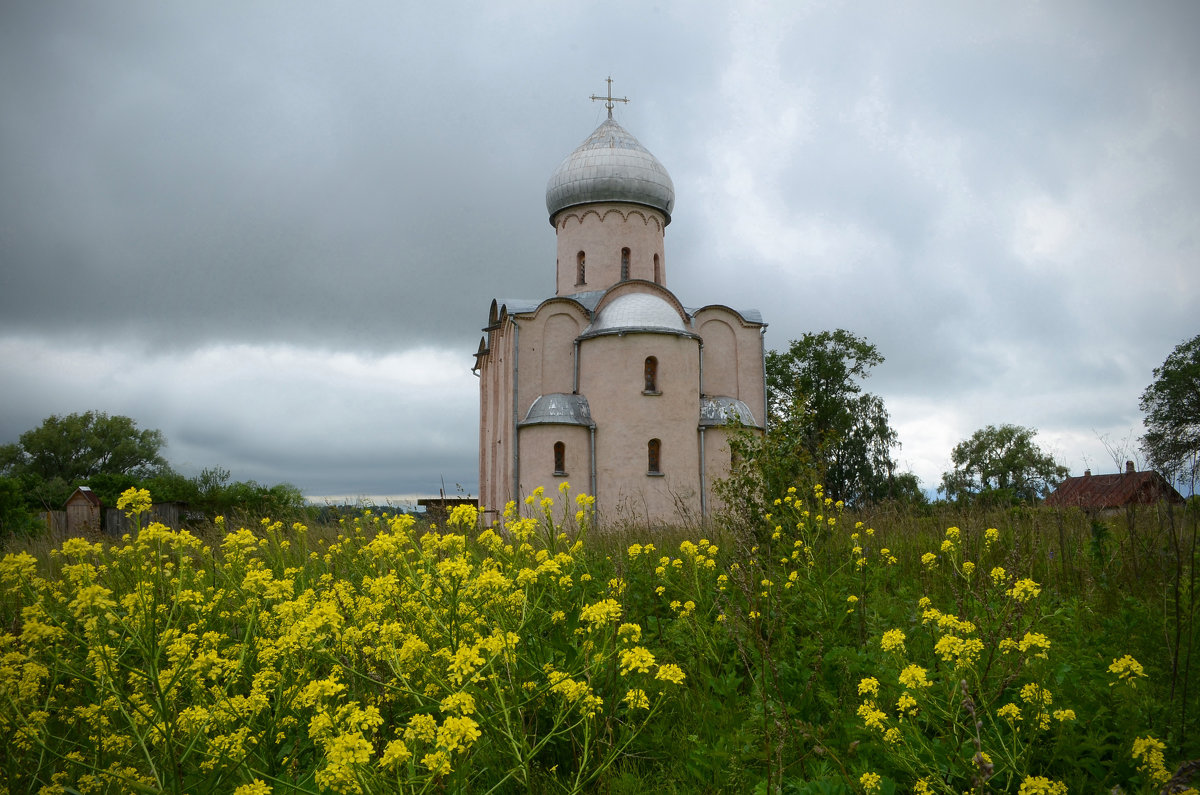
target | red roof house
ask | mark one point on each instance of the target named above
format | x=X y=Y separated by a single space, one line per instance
x=1106 y=492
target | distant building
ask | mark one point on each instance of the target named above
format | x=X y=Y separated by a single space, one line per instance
x=1108 y=492
x=611 y=382
x=438 y=509
x=83 y=511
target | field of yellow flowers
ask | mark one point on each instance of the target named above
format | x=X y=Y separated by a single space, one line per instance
x=810 y=653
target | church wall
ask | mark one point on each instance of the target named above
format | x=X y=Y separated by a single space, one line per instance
x=612 y=376
x=752 y=385
x=733 y=363
x=720 y=357
x=600 y=231
x=547 y=361
x=558 y=352
x=537 y=459
x=495 y=375
x=716 y=463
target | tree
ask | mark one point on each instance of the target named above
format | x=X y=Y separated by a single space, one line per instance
x=1001 y=463
x=822 y=421
x=67 y=451
x=1172 y=407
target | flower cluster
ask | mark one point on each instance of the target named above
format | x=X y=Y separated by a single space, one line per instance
x=388 y=658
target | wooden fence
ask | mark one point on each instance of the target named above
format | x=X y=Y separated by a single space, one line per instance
x=116 y=523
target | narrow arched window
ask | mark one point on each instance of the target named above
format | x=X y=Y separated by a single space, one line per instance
x=560 y=458
x=624 y=264
x=581 y=269
x=651 y=373
x=657 y=271
x=654 y=457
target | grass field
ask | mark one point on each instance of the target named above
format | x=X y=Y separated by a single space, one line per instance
x=807 y=651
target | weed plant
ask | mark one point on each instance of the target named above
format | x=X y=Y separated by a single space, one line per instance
x=806 y=651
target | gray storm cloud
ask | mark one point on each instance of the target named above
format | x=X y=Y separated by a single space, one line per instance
x=1001 y=196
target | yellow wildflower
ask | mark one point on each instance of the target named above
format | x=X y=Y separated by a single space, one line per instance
x=1010 y=712
x=637 y=699
x=893 y=640
x=669 y=672
x=914 y=676
x=637 y=659
x=602 y=612
x=256 y=787
x=1127 y=670
x=395 y=754
x=1040 y=785
x=1149 y=753
x=872 y=716
x=1035 y=640
x=134 y=500
x=1034 y=693
x=1023 y=590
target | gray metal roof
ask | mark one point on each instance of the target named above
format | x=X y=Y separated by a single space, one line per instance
x=637 y=311
x=589 y=299
x=559 y=408
x=611 y=165
x=748 y=315
x=718 y=410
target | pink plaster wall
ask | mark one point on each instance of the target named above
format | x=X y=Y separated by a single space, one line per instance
x=733 y=363
x=612 y=377
x=537 y=459
x=601 y=231
x=495 y=417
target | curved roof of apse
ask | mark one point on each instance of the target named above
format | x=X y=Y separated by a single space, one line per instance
x=610 y=166
x=719 y=410
x=559 y=408
x=633 y=312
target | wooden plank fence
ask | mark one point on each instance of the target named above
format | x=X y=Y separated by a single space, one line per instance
x=116 y=523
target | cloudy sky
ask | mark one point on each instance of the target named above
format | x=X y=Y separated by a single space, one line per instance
x=273 y=229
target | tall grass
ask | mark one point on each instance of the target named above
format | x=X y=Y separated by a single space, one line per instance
x=811 y=650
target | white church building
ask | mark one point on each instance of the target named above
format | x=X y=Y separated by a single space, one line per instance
x=611 y=383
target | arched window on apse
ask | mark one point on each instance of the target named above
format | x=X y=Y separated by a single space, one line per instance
x=651 y=373
x=654 y=457
x=624 y=264
x=560 y=458
x=581 y=269
x=657 y=271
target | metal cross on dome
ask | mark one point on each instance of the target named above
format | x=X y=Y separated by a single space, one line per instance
x=610 y=99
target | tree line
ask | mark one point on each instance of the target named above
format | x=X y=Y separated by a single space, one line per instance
x=823 y=427
x=109 y=454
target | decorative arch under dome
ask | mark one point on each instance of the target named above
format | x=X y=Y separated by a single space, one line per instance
x=610 y=166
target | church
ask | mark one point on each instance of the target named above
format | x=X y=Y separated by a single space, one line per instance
x=611 y=383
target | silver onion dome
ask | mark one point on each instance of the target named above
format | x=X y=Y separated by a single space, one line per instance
x=610 y=166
